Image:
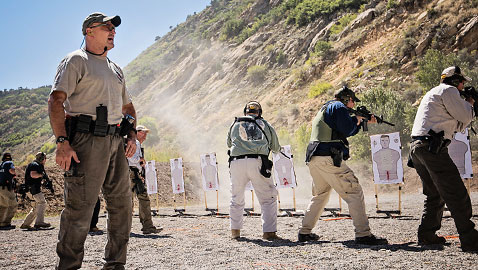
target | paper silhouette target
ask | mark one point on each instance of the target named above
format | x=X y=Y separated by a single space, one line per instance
x=459 y=151
x=177 y=179
x=209 y=172
x=387 y=158
x=151 y=178
x=283 y=168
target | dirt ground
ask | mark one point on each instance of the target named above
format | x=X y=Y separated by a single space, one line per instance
x=198 y=241
x=201 y=241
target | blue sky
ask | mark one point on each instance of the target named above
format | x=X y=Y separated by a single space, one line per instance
x=36 y=34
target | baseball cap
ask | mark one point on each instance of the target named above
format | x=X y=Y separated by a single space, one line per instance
x=6 y=156
x=451 y=71
x=142 y=128
x=346 y=92
x=98 y=17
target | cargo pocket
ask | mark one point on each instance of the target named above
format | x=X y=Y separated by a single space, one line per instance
x=349 y=182
x=75 y=191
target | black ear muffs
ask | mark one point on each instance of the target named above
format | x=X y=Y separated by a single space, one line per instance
x=246 y=108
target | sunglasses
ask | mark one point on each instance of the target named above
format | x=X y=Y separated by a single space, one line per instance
x=110 y=27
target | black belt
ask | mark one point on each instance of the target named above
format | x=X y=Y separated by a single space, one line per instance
x=322 y=153
x=421 y=138
x=110 y=130
x=244 y=156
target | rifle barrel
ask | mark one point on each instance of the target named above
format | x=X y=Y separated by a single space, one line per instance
x=388 y=123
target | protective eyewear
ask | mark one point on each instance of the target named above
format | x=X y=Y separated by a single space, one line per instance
x=110 y=27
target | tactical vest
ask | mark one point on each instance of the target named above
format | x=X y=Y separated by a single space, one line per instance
x=321 y=131
x=28 y=179
x=5 y=176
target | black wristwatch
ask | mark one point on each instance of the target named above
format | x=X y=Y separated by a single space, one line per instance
x=61 y=139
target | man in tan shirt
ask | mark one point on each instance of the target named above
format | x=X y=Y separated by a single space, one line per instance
x=87 y=103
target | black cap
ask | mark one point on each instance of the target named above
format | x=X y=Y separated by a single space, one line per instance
x=98 y=17
x=344 y=93
x=6 y=156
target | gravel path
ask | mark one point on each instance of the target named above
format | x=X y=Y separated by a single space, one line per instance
x=202 y=242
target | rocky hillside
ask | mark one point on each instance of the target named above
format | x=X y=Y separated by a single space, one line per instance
x=24 y=123
x=290 y=55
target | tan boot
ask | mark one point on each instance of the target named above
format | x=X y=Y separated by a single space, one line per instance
x=235 y=234
x=270 y=236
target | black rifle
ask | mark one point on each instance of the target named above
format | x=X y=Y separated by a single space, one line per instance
x=22 y=190
x=470 y=92
x=367 y=115
x=48 y=184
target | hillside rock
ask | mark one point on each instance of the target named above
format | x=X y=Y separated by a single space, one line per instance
x=423 y=44
x=468 y=35
x=363 y=19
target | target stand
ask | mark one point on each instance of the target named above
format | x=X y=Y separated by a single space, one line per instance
x=390 y=213
x=336 y=212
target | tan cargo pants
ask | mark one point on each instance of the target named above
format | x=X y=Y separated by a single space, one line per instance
x=102 y=166
x=342 y=179
x=38 y=210
x=144 y=207
x=8 y=206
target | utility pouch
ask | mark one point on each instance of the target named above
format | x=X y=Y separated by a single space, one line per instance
x=310 y=150
x=83 y=124
x=436 y=142
x=126 y=125
x=101 y=124
x=266 y=167
x=337 y=156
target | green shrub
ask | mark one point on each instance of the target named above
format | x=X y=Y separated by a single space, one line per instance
x=392 y=4
x=322 y=47
x=318 y=88
x=269 y=48
x=407 y=45
x=232 y=28
x=48 y=148
x=308 y=10
x=280 y=57
x=431 y=66
x=256 y=73
x=342 y=23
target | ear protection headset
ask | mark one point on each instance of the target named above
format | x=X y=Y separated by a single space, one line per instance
x=253 y=107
